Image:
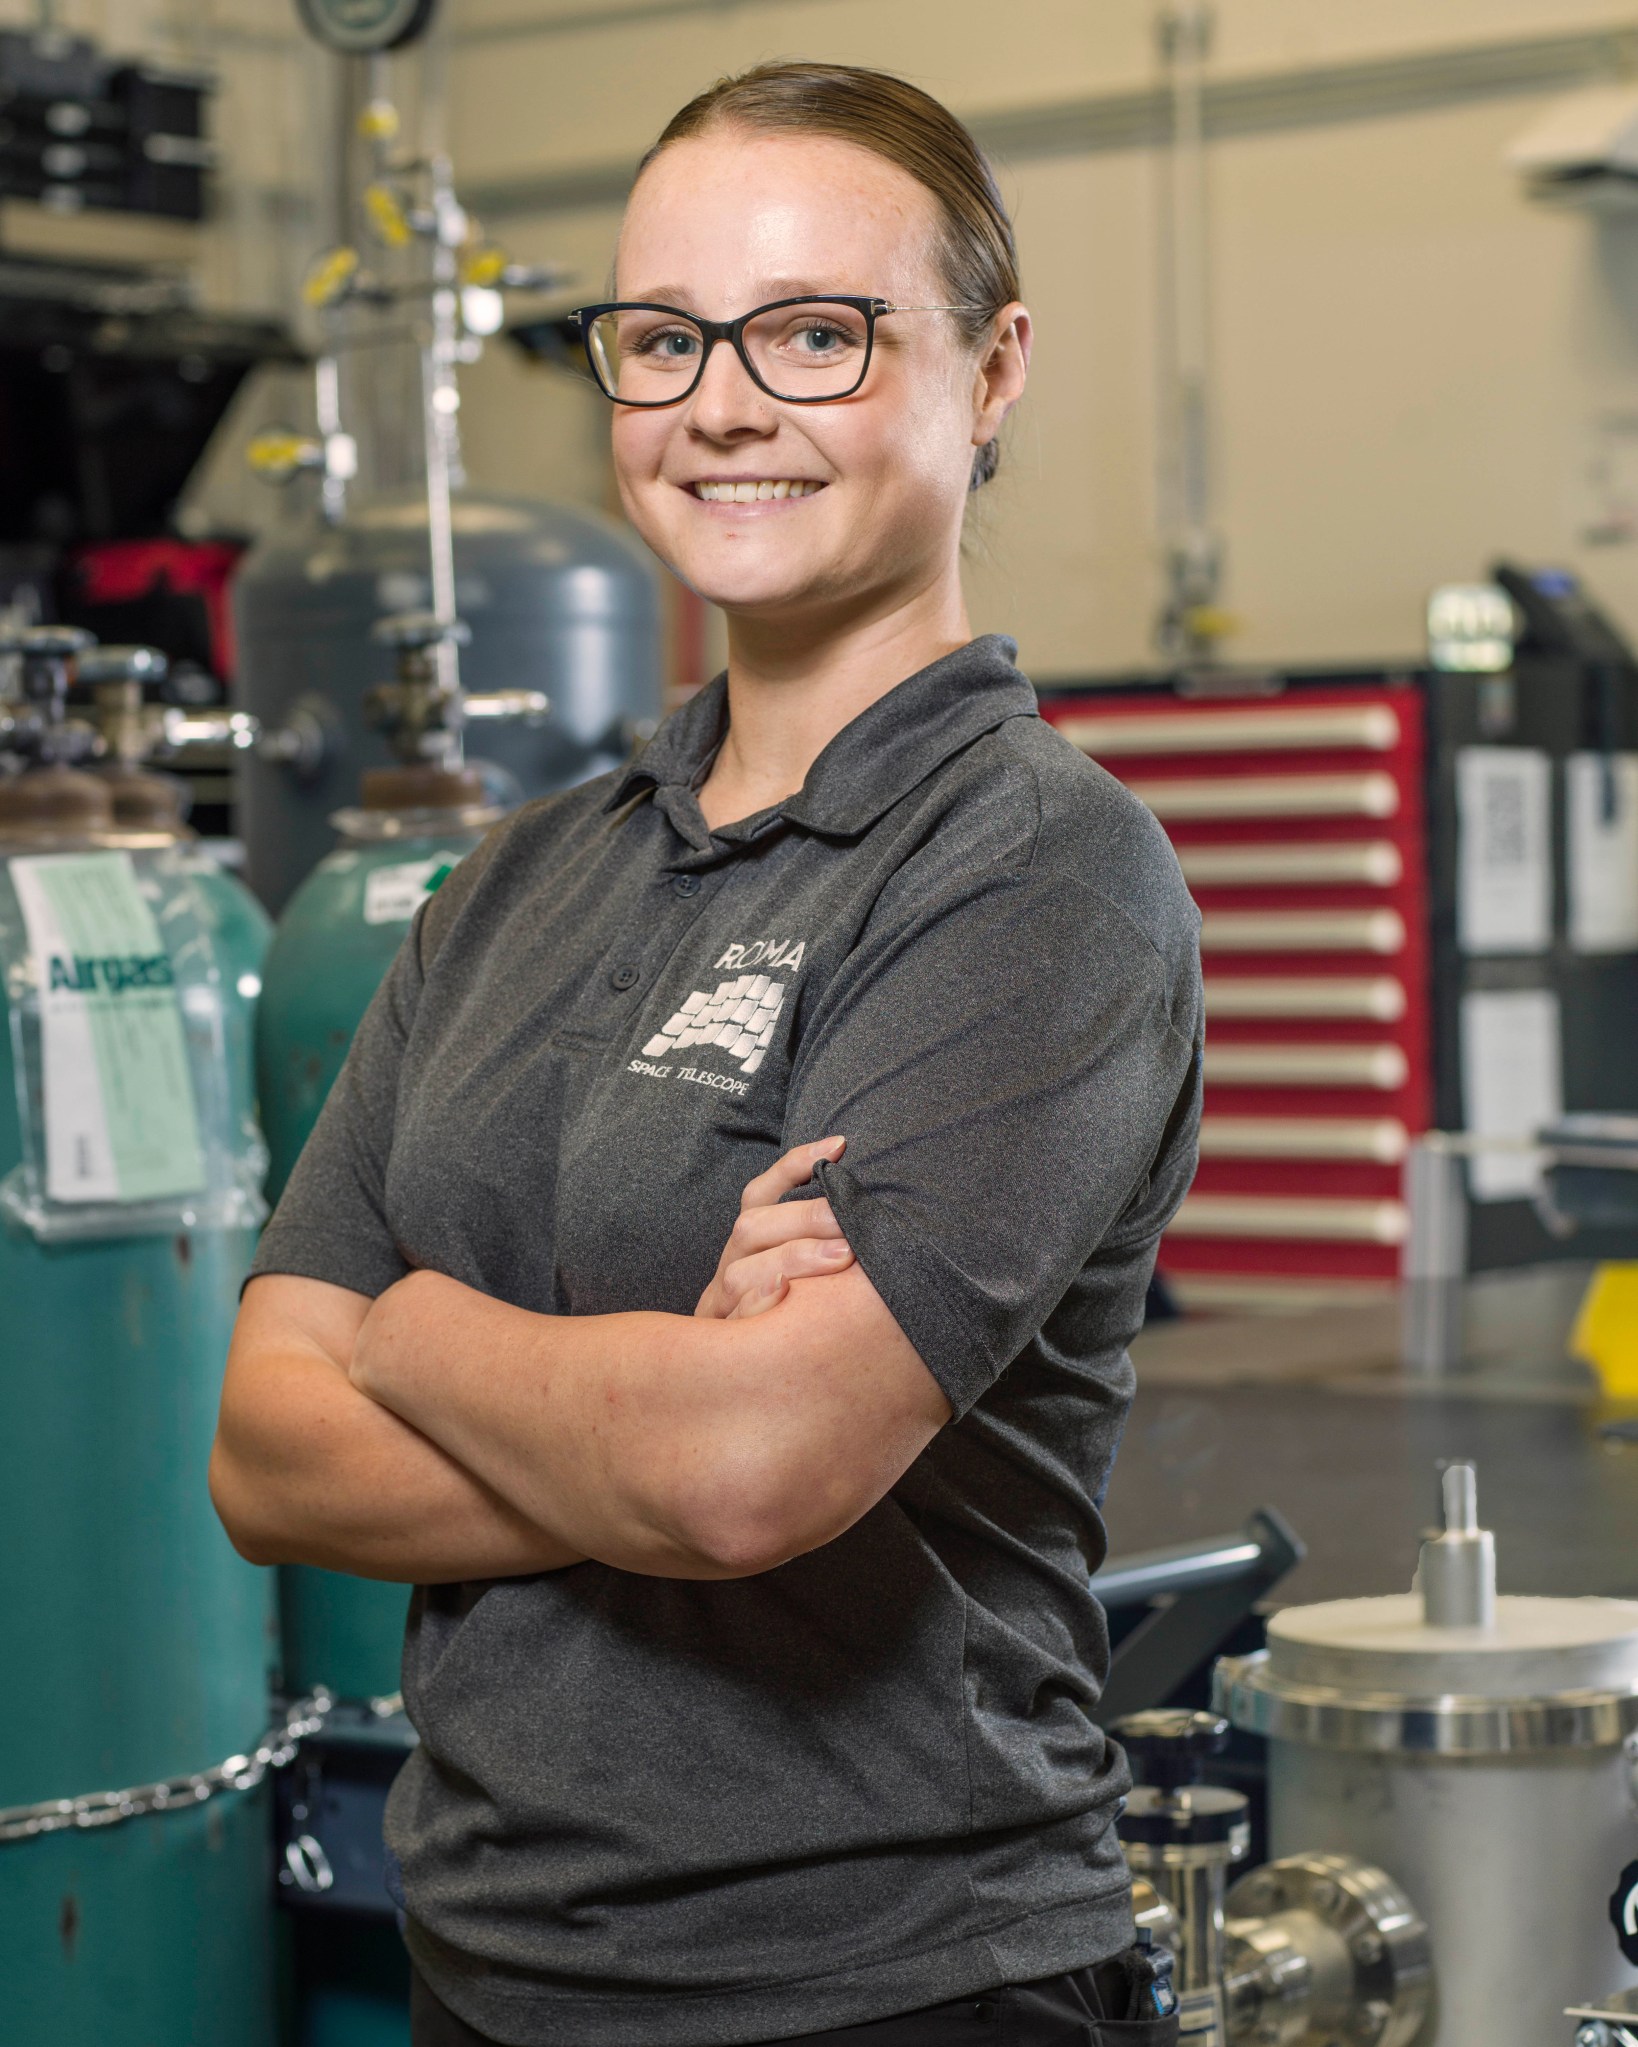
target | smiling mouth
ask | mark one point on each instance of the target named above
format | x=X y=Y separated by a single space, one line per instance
x=752 y=492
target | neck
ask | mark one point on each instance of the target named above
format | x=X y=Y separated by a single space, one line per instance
x=794 y=684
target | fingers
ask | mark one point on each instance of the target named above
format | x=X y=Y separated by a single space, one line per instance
x=759 y=1229
x=793 y=1170
x=750 y=1285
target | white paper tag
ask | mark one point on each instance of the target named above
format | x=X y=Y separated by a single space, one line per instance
x=1601 y=850
x=1504 y=860
x=1512 y=1084
x=120 y=1121
x=392 y=895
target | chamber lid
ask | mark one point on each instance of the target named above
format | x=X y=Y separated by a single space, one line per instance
x=1537 y=1648
x=1370 y=1674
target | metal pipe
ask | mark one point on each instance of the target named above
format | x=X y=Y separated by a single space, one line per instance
x=1193 y=550
x=1158 y=1573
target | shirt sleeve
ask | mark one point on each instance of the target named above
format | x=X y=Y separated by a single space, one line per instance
x=1015 y=1068
x=331 y=1221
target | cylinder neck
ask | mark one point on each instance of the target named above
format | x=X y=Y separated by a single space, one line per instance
x=55 y=802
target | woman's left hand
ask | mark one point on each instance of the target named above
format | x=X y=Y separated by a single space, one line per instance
x=775 y=1241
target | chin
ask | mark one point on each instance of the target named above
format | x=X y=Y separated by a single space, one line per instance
x=755 y=590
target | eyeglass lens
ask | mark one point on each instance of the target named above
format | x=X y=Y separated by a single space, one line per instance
x=802 y=351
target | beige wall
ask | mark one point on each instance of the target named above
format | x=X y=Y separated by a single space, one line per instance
x=1412 y=363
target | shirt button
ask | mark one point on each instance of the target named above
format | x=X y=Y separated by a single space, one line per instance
x=686 y=884
x=624 y=977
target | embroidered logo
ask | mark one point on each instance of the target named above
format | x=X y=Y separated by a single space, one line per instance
x=739 y=1017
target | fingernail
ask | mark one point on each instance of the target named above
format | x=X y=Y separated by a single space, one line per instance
x=830 y=1147
x=839 y=1250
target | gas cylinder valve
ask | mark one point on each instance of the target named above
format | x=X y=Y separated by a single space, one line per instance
x=419 y=711
x=36 y=724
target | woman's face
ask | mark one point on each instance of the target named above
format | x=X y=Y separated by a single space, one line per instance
x=728 y=221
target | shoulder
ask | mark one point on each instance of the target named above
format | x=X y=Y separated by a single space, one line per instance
x=513 y=857
x=1094 y=831
x=1058 y=821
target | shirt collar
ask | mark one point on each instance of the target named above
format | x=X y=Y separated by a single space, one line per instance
x=871 y=763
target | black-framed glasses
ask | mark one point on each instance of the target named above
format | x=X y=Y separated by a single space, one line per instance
x=803 y=351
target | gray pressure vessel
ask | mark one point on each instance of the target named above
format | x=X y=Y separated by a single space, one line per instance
x=558 y=600
x=1480 y=1751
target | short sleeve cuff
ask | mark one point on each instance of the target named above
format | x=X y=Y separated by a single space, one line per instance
x=362 y=1266
x=955 y=1326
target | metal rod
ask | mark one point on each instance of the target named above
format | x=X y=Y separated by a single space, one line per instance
x=1158 y=1573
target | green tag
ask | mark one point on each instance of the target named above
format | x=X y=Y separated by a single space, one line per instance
x=120 y=1119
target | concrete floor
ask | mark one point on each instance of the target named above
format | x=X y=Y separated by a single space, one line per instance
x=1313 y=1415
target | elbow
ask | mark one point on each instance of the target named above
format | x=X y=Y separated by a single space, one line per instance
x=742 y=1523
x=236 y=1510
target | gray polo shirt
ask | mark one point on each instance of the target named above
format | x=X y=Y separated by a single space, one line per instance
x=648 y=1812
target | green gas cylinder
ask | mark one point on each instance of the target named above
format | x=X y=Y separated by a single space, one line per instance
x=332 y=946
x=139 y=1645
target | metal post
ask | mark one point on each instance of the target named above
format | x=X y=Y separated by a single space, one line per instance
x=1434 y=1262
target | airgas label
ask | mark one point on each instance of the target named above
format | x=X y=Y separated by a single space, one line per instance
x=111 y=976
x=120 y=1120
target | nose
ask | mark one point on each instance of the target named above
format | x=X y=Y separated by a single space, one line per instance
x=727 y=404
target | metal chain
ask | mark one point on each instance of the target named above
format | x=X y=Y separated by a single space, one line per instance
x=237 y=1773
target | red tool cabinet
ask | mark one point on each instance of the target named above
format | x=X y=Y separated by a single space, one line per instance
x=1300 y=822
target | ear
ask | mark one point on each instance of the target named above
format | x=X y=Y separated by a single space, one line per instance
x=998 y=382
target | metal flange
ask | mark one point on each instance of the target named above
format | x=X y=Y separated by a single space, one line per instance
x=1323 y=1949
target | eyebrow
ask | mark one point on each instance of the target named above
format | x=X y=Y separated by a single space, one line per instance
x=772 y=288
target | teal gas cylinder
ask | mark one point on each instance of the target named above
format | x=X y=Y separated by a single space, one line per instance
x=138 y=1644
x=333 y=944
x=149 y=810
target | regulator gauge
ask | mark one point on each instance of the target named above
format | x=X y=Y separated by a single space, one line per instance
x=358 y=27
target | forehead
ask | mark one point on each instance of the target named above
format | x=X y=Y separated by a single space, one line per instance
x=726 y=219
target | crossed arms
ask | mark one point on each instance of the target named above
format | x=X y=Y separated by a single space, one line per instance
x=437 y=1434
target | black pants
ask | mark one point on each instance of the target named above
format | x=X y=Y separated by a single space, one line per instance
x=1057 y=2011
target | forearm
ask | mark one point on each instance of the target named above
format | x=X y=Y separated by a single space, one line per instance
x=662 y=1444
x=308 y=1470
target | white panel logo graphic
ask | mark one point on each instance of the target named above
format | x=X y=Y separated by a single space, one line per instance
x=739 y=1017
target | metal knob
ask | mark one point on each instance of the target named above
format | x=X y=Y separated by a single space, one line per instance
x=47 y=642
x=146 y=665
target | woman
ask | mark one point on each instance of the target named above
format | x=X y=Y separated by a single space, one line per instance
x=709 y=1280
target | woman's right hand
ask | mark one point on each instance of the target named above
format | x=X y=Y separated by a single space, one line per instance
x=775 y=1241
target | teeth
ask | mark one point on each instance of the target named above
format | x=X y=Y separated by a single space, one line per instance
x=749 y=493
